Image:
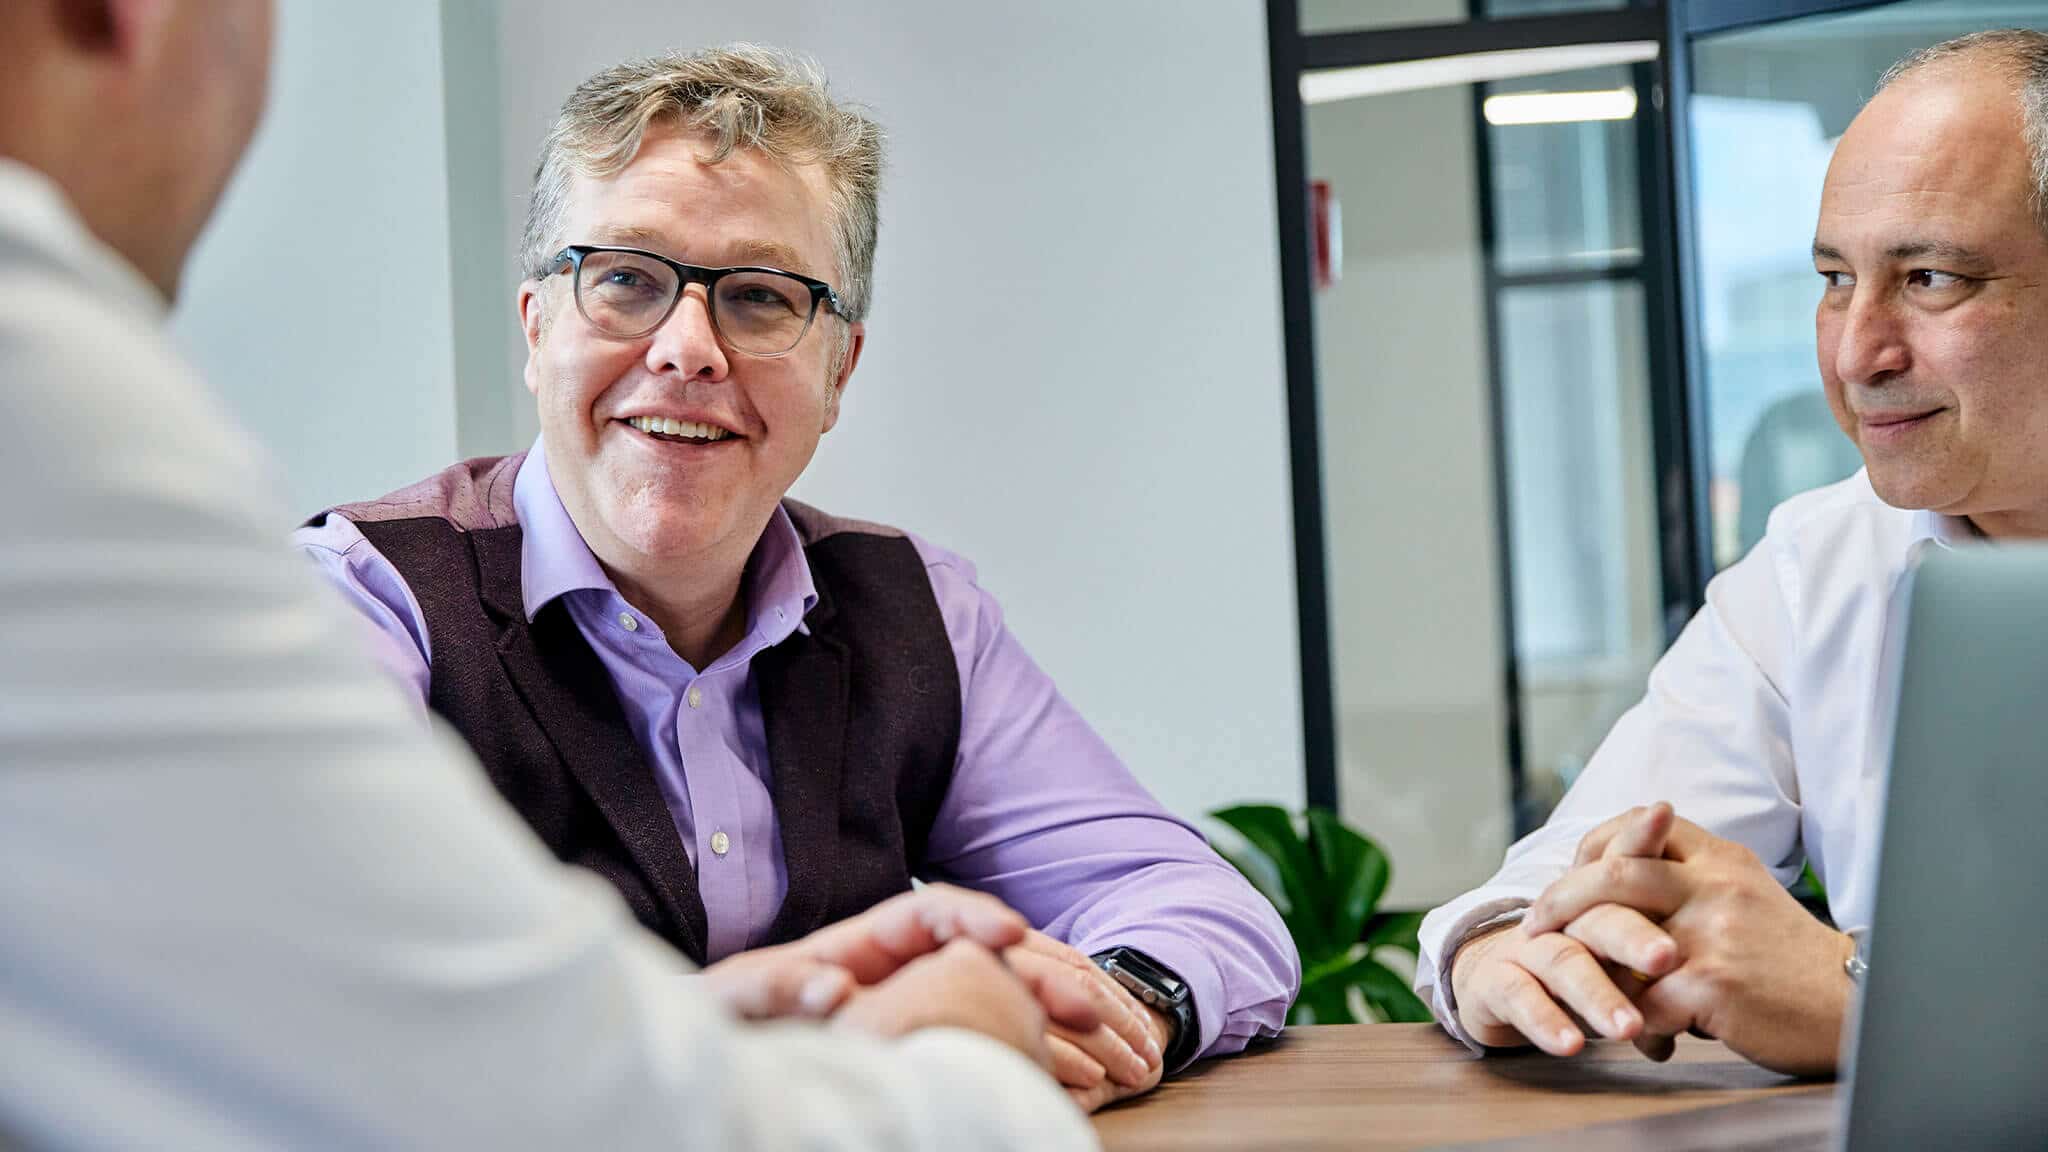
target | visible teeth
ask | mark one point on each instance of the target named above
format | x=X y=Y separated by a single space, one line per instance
x=668 y=427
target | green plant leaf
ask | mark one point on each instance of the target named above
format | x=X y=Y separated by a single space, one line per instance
x=1811 y=894
x=1258 y=868
x=1809 y=881
x=1268 y=829
x=1355 y=874
x=1325 y=1001
x=1325 y=994
x=1313 y=974
x=1394 y=930
x=1389 y=995
x=1264 y=875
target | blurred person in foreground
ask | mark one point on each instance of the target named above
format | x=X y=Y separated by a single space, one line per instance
x=1655 y=900
x=246 y=898
x=750 y=716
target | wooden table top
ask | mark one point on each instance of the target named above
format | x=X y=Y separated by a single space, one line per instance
x=1387 y=1086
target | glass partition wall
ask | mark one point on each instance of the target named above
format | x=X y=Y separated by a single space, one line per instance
x=1483 y=350
x=1550 y=364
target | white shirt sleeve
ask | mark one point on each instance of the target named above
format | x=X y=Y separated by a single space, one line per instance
x=250 y=901
x=1711 y=736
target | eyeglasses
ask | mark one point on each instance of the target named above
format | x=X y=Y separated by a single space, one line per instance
x=627 y=293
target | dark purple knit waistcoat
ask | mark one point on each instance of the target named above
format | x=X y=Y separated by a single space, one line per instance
x=862 y=714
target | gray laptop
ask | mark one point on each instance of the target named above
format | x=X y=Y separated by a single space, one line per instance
x=1951 y=1048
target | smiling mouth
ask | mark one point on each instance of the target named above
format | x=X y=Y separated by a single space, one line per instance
x=1894 y=421
x=679 y=431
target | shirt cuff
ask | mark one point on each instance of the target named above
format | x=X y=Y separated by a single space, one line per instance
x=1476 y=921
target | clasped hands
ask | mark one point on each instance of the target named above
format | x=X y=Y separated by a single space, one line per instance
x=1661 y=928
x=947 y=956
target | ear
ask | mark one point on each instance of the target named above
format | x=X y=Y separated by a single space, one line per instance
x=532 y=320
x=122 y=29
x=849 y=357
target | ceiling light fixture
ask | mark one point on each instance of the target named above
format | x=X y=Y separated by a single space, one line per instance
x=1560 y=107
x=1331 y=84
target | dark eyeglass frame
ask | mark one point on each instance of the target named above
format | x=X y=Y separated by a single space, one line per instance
x=570 y=259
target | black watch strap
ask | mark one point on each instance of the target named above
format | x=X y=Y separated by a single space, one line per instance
x=1161 y=989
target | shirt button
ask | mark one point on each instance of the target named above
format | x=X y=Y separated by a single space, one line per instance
x=629 y=622
x=696 y=697
x=719 y=843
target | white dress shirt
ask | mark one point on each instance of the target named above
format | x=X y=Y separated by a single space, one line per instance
x=247 y=901
x=1768 y=722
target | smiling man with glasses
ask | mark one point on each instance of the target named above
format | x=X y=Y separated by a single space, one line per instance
x=752 y=718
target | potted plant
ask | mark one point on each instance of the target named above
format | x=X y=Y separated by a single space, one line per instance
x=1326 y=880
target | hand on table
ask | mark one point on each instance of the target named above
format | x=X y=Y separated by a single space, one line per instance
x=947 y=956
x=1120 y=1057
x=1531 y=983
x=962 y=985
x=814 y=976
x=1752 y=968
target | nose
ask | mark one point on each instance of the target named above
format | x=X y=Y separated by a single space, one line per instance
x=687 y=343
x=1870 y=344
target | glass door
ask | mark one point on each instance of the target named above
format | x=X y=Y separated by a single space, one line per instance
x=1483 y=367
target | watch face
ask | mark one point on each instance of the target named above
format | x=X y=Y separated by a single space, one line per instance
x=1140 y=977
x=1136 y=987
x=1159 y=989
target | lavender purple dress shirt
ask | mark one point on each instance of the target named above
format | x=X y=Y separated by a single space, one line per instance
x=1041 y=813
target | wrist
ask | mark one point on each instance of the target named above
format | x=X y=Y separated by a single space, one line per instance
x=1163 y=994
x=1812 y=1037
x=1473 y=949
x=1159 y=1024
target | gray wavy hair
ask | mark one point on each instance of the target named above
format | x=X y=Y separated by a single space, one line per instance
x=2023 y=55
x=737 y=96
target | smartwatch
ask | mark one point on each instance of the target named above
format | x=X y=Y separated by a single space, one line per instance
x=1156 y=987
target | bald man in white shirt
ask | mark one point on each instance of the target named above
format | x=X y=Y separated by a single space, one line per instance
x=1654 y=901
x=246 y=900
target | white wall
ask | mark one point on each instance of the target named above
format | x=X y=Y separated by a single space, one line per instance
x=1099 y=423
x=318 y=302
x=1074 y=372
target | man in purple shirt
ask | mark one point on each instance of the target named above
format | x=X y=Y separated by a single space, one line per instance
x=802 y=713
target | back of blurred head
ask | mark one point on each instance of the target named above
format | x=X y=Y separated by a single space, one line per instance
x=137 y=109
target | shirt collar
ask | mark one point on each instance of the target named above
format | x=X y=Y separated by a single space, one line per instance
x=554 y=560
x=778 y=583
x=1945 y=531
x=1930 y=530
x=34 y=209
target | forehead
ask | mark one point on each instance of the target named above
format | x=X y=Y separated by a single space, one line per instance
x=1934 y=157
x=748 y=208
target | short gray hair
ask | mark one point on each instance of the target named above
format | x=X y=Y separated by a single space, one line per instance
x=738 y=96
x=2023 y=55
